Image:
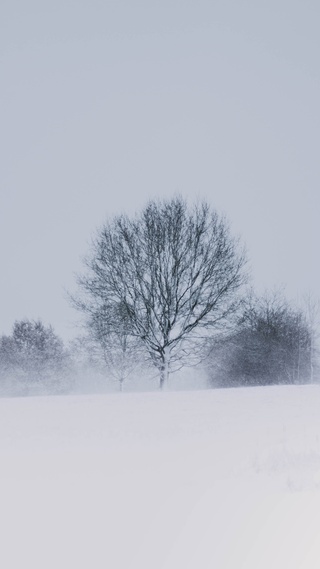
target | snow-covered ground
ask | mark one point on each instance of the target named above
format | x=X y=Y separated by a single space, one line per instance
x=222 y=479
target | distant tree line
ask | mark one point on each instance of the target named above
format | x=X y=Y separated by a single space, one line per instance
x=163 y=290
x=33 y=360
x=167 y=288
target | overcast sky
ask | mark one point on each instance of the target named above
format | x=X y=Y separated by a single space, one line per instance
x=106 y=103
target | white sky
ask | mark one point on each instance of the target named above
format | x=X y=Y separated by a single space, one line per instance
x=104 y=104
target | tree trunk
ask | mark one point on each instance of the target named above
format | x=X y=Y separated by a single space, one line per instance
x=164 y=369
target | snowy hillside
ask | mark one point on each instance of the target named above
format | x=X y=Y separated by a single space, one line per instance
x=222 y=479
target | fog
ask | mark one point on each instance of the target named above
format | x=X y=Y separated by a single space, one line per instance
x=104 y=105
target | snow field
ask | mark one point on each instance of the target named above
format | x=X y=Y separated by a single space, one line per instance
x=221 y=479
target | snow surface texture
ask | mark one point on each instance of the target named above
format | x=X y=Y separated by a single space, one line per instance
x=210 y=479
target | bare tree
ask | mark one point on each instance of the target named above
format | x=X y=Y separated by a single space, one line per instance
x=120 y=350
x=311 y=308
x=34 y=357
x=271 y=344
x=174 y=271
